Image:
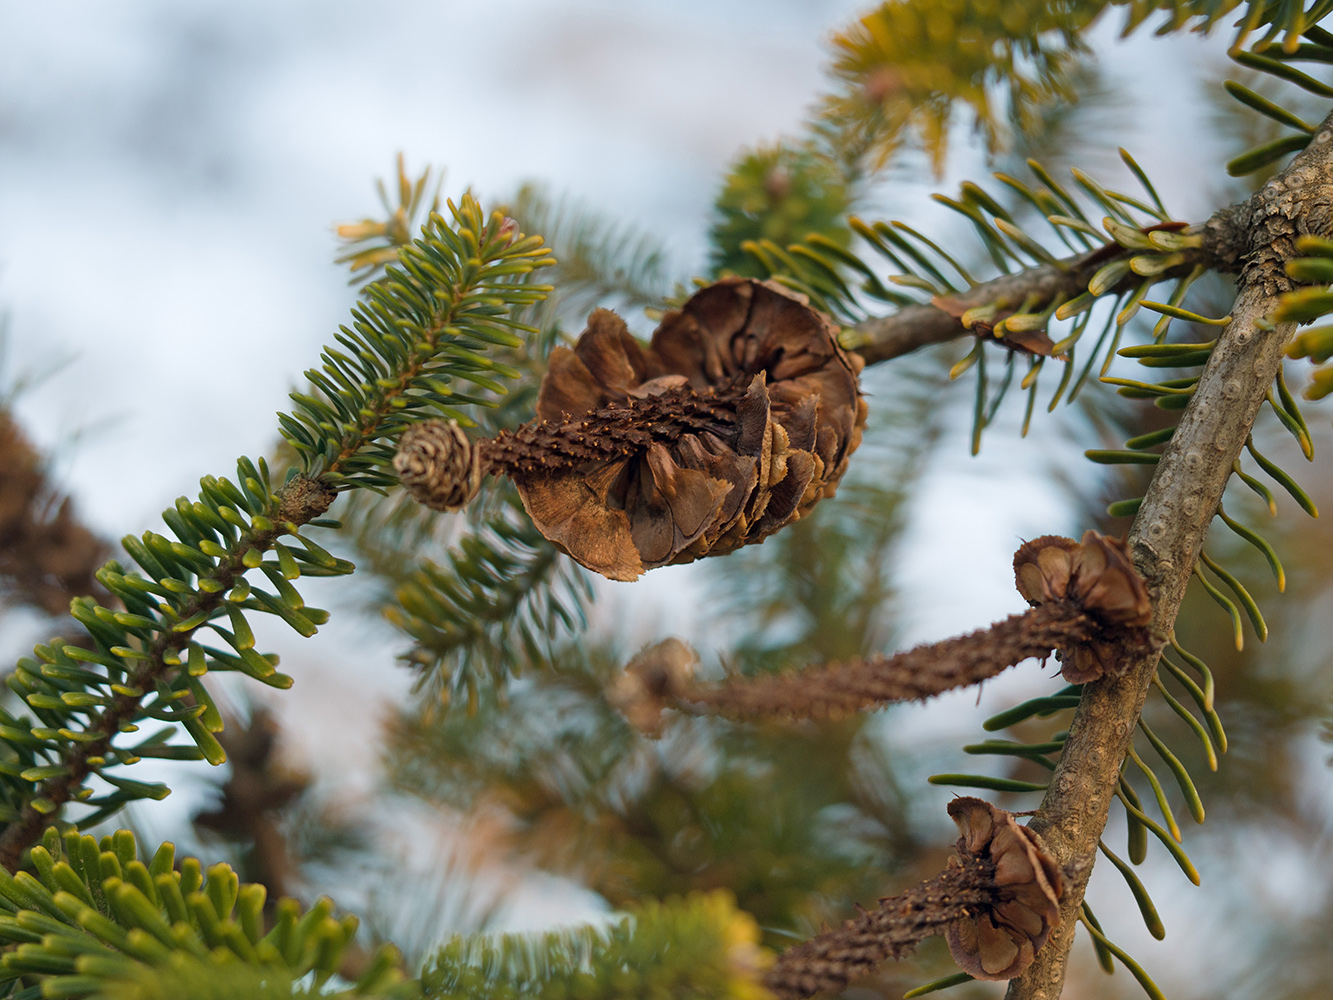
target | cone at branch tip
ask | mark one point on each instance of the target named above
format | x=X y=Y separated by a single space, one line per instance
x=995 y=903
x=1001 y=940
x=1098 y=575
x=737 y=418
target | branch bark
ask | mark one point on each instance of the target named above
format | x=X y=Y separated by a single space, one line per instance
x=913 y=327
x=1169 y=531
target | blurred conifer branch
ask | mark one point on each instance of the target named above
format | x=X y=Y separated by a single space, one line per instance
x=98 y=921
x=371 y=244
x=905 y=65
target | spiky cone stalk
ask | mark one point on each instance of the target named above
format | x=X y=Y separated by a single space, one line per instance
x=995 y=903
x=1088 y=600
x=734 y=421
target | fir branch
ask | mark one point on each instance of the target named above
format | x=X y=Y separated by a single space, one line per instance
x=98 y=922
x=423 y=326
x=1168 y=532
x=700 y=946
x=922 y=324
x=297 y=503
x=501 y=601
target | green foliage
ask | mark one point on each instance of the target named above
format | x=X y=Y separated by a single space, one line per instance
x=783 y=818
x=1310 y=303
x=96 y=921
x=780 y=194
x=906 y=64
x=700 y=946
x=370 y=244
x=501 y=600
x=422 y=327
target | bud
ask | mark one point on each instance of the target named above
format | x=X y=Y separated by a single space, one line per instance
x=438 y=465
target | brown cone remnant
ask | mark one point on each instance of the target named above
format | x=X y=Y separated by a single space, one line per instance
x=1089 y=605
x=838 y=689
x=1000 y=941
x=642 y=691
x=735 y=421
x=47 y=557
x=1098 y=575
x=999 y=898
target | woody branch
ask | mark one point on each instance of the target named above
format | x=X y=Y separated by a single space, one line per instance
x=1168 y=532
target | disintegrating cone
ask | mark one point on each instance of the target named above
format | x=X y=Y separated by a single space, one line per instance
x=649 y=682
x=999 y=942
x=736 y=420
x=795 y=410
x=1099 y=577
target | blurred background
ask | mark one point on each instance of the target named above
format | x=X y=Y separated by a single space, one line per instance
x=170 y=176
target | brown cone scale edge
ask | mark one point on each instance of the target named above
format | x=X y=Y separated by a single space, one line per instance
x=735 y=420
x=995 y=903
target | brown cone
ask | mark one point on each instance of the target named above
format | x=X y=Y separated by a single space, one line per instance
x=794 y=414
x=649 y=682
x=1097 y=575
x=1000 y=940
x=47 y=556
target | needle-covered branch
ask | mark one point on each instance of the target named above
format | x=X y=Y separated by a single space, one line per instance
x=1221 y=242
x=425 y=327
x=297 y=503
x=1169 y=530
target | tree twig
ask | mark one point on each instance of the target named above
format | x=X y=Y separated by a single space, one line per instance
x=1169 y=531
x=883 y=338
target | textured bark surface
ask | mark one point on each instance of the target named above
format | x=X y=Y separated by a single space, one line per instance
x=1170 y=527
x=838 y=689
